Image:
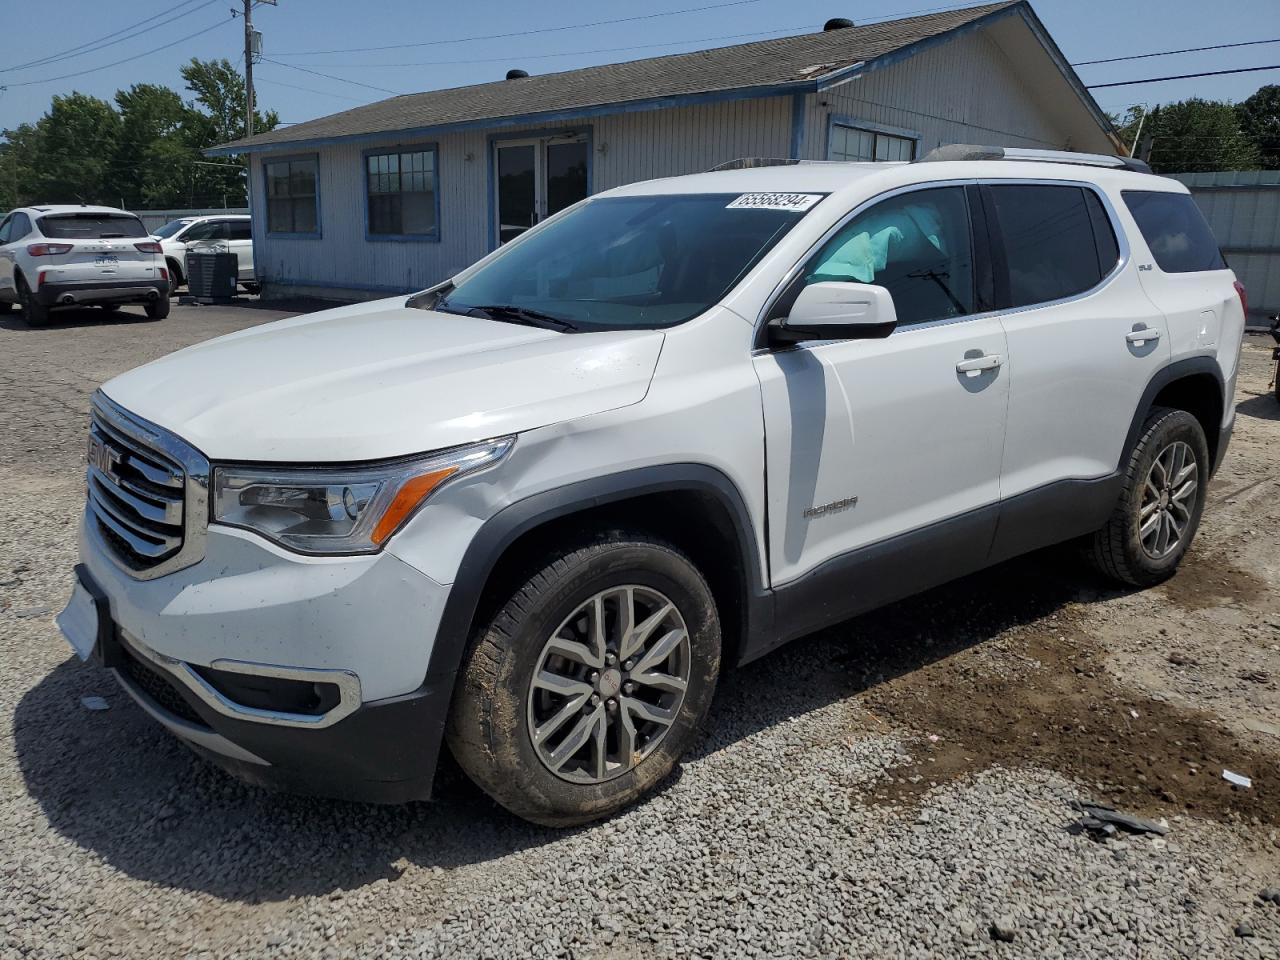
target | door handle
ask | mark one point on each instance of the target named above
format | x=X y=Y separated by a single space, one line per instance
x=1139 y=337
x=974 y=366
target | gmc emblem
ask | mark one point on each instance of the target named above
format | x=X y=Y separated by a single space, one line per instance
x=104 y=458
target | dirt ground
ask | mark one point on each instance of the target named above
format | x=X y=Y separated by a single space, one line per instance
x=1145 y=697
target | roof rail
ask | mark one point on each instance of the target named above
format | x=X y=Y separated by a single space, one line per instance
x=750 y=163
x=970 y=151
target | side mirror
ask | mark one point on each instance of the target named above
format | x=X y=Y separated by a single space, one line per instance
x=834 y=310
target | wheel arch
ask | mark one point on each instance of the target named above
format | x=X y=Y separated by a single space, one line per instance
x=175 y=268
x=696 y=507
x=1194 y=385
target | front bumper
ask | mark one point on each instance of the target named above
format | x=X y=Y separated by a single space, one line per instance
x=204 y=651
x=119 y=291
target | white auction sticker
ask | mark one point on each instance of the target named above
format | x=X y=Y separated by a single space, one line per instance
x=798 y=202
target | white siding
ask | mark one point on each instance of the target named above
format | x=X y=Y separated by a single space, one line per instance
x=964 y=91
x=626 y=147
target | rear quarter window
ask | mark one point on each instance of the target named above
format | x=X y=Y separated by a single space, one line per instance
x=91 y=226
x=1175 y=230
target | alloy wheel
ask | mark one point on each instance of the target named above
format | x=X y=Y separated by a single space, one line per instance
x=1168 y=500
x=609 y=684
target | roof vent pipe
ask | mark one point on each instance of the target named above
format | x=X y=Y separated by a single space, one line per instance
x=837 y=23
x=517 y=74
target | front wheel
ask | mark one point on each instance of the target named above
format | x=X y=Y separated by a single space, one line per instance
x=1159 y=509
x=589 y=684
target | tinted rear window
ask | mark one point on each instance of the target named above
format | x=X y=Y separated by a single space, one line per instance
x=91 y=226
x=1056 y=243
x=1175 y=230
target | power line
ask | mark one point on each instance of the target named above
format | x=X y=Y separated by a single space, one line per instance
x=62 y=54
x=272 y=82
x=522 y=33
x=329 y=76
x=1169 y=53
x=1183 y=76
x=105 y=66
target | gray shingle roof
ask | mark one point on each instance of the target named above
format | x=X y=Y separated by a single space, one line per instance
x=765 y=63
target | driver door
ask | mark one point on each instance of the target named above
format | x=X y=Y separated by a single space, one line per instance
x=883 y=455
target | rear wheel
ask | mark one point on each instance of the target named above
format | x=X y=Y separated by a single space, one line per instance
x=158 y=309
x=175 y=277
x=584 y=690
x=1159 y=509
x=35 y=314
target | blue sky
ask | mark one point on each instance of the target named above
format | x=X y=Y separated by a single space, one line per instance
x=1084 y=29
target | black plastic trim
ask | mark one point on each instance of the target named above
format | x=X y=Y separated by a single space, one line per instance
x=120 y=291
x=1052 y=514
x=1178 y=370
x=509 y=524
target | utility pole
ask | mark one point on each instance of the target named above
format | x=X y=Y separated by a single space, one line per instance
x=248 y=68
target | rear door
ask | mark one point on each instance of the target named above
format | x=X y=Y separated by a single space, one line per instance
x=1084 y=341
x=103 y=248
x=6 y=260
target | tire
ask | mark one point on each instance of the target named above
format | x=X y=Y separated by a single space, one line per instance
x=495 y=708
x=35 y=314
x=175 y=277
x=158 y=309
x=251 y=287
x=1120 y=549
x=5 y=307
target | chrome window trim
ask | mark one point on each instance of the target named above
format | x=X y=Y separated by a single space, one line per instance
x=1122 y=242
x=348 y=684
x=195 y=487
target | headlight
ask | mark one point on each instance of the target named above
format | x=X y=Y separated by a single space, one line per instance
x=340 y=510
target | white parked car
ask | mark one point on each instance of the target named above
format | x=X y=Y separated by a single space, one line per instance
x=536 y=510
x=232 y=231
x=65 y=255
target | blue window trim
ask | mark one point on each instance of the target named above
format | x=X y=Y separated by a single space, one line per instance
x=316 y=234
x=492 y=205
x=840 y=120
x=431 y=148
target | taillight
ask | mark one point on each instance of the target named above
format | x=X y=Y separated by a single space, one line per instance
x=164 y=274
x=1244 y=299
x=148 y=246
x=40 y=278
x=49 y=249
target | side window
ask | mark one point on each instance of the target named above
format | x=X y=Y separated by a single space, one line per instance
x=917 y=245
x=20 y=227
x=208 y=230
x=5 y=229
x=1175 y=230
x=1049 y=242
x=1104 y=234
x=239 y=230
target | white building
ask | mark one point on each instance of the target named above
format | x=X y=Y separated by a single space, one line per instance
x=399 y=194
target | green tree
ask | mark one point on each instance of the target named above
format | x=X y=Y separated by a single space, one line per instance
x=76 y=142
x=219 y=89
x=1259 y=118
x=1198 y=136
x=152 y=160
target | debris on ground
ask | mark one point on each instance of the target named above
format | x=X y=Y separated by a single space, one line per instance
x=1101 y=821
x=1237 y=779
x=94 y=703
x=1270 y=895
x=1244 y=930
x=1004 y=929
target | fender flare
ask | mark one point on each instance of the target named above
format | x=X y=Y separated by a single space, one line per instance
x=504 y=528
x=1192 y=366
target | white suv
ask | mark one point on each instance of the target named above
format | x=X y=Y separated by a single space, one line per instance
x=234 y=231
x=62 y=256
x=534 y=511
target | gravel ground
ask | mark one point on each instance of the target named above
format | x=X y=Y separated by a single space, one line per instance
x=897 y=786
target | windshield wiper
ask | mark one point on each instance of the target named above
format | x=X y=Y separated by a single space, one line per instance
x=509 y=313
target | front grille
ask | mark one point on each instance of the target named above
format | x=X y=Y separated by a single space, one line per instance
x=140 y=485
x=159 y=689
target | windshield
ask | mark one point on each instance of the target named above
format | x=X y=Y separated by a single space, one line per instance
x=631 y=262
x=91 y=226
x=170 y=228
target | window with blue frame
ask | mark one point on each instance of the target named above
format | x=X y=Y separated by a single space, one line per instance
x=291 y=196
x=401 y=190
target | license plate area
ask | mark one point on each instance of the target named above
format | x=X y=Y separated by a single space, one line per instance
x=86 y=622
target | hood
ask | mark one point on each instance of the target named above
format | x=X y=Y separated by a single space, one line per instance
x=382 y=380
